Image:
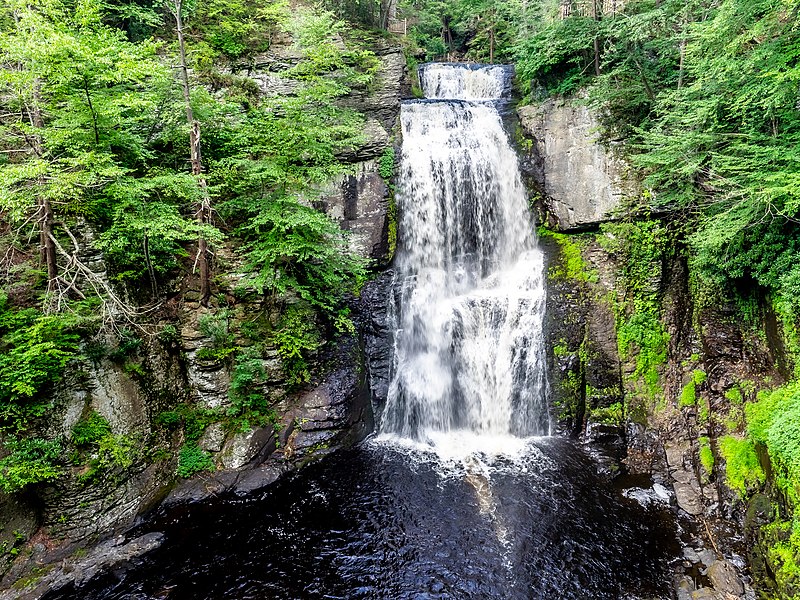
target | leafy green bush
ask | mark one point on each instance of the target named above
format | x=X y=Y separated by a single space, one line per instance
x=192 y=459
x=101 y=449
x=297 y=338
x=216 y=327
x=250 y=404
x=743 y=472
x=90 y=430
x=31 y=460
x=295 y=248
x=34 y=349
x=775 y=422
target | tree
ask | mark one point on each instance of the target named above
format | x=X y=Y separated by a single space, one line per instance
x=76 y=116
x=203 y=207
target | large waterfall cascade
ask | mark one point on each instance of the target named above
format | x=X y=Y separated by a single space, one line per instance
x=469 y=295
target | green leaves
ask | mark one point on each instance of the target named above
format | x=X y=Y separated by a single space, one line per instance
x=34 y=349
x=29 y=461
x=295 y=248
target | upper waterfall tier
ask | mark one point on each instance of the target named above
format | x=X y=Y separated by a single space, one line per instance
x=446 y=81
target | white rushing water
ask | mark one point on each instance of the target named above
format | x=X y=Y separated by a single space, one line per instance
x=469 y=366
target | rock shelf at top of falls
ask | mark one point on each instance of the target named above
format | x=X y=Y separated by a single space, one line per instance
x=468 y=295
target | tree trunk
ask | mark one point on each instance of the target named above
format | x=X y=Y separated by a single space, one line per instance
x=203 y=214
x=388 y=13
x=597 y=16
x=44 y=210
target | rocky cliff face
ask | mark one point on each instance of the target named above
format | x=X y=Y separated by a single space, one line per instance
x=581 y=181
x=648 y=375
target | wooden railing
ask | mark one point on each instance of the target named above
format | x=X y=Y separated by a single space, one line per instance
x=399 y=26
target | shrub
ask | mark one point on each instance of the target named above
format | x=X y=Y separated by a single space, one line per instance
x=90 y=430
x=34 y=349
x=30 y=461
x=297 y=338
x=192 y=459
x=103 y=450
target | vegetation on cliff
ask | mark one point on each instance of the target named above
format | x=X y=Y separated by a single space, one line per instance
x=120 y=178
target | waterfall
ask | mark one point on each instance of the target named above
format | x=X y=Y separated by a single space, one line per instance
x=469 y=295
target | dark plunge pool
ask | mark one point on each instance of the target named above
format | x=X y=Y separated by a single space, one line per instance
x=385 y=521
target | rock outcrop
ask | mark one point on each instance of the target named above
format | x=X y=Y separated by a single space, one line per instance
x=581 y=180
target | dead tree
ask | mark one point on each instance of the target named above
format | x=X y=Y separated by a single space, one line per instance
x=203 y=207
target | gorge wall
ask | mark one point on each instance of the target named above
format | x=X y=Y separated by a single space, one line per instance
x=644 y=368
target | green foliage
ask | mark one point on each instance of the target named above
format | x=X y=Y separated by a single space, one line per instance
x=90 y=430
x=295 y=248
x=34 y=349
x=734 y=395
x=192 y=459
x=29 y=461
x=705 y=96
x=689 y=394
x=480 y=30
x=297 y=338
x=570 y=265
x=641 y=247
x=216 y=327
x=706 y=455
x=743 y=472
x=103 y=450
x=612 y=415
x=195 y=420
x=386 y=164
x=644 y=335
x=775 y=422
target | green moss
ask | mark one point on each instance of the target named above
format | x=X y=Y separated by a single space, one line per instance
x=392 y=226
x=689 y=394
x=570 y=265
x=642 y=335
x=703 y=411
x=734 y=395
x=775 y=422
x=783 y=551
x=743 y=472
x=706 y=455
